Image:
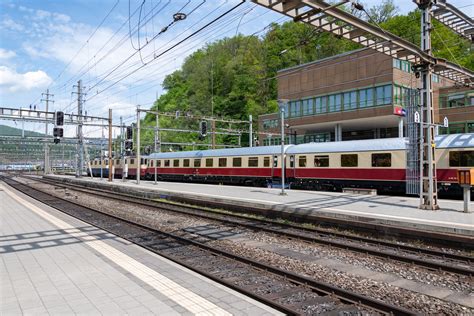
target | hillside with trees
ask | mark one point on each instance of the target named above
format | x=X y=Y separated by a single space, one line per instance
x=236 y=76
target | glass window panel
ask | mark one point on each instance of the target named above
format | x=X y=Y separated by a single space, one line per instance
x=302 y=161
x=167 y=163
x=209 y=162
x=379 y=94
x=349 y=160
x=253 y=161
x=222 y=162
x=237 y=162
x=370 y=96
x=321 y=161
x=266 y=161
x=461 y=158
x=186 y=163
x=197 y=163
x=382 y=160
x=363 y=98
x=470 y=127
x=176 y=163
x=387 y=92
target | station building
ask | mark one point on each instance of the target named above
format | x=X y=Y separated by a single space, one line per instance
x=358 y=95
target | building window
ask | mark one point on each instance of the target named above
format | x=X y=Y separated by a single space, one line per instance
x=253 y=161
x=295 y=108
x=456 y=100
x=302 y=161
x=387 y=92
x=350 y=100
x=197 y=163
x=186 y=163
x=349 y=160
x=321 y=105
x=176 y=163
x=461 y=158
x=266 y=161
x=381 y=160
x=457 y=128
x=167 y=163
x=308 y=107
x=237 y=162
x=209 y=162
x=470 y=127
x=435 y=78
x=334 y=102
x=222 y=162
x=321 y=161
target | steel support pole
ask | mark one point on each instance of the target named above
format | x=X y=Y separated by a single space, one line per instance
x=250 y=132
x=428 y=183
x=110 y=146
x=282 y=119
x=138 y=145
x=467 y=198
x=80 y=141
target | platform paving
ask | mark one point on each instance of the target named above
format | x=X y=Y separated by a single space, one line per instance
x=53 y=264
x=387 y=210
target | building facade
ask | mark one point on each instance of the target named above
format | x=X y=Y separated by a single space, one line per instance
x=358 y=95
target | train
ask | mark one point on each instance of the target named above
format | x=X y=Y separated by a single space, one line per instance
x=372 y=164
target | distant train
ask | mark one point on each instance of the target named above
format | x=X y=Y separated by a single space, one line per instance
x=376 y=164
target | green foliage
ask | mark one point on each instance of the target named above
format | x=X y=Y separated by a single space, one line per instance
x=236 y=76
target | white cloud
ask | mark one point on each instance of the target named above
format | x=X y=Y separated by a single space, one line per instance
x=41 y=14
x=14 y=82
x=9 y=24
x=6 y=54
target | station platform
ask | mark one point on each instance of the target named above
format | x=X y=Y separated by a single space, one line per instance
x=53 y=264
x=385 y=210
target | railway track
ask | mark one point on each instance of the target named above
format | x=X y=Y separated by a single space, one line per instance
x=285 y=291
x=422 y=257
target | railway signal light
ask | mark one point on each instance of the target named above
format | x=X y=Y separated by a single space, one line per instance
x=203 y=128
x=59 y=118
x=129 y=133
x=58 y=133
x=128 y=144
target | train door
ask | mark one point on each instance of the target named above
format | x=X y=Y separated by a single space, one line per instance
x=274 y=166
x=290 y=168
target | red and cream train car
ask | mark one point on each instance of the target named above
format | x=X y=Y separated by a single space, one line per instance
x=375 y=163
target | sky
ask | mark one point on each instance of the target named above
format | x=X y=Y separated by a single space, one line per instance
x=111 y=46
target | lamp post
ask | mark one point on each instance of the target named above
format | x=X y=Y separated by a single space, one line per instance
x=282 y=103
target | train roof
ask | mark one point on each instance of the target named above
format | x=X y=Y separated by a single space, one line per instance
x=381 y=144
x=244 y=151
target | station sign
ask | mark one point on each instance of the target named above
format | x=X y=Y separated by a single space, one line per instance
x=417 y=117
x=445 y=122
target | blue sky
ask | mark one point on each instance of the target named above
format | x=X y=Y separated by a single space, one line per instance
x=39 y=41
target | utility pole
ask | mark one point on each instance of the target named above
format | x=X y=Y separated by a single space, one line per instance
x=428 y=183
x=282 y=104
x=250 y=131
x=80 y=136
x=138 y=145
x=213 y=133
x=121 y=136
x=46 y=145
x=110 y=146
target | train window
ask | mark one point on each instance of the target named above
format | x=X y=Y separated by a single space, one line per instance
x=158 y=163
x=151 y=163
x=302 y=161
x=253 y=161
x=185 y=162
x=167 y=163
x=209 y=162
x=117 y=162
x=132 y=161
x=237 y=162
x=142 y=161
x=197 y=163
x=176 y=163
x=381 y=160
x=266 y=161
x=292 y=161
x=321 y=161
x=222 y=162
x=349 y=160
x=461 y=158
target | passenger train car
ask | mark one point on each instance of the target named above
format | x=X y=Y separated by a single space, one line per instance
x=376 y=163
x=99 y=167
